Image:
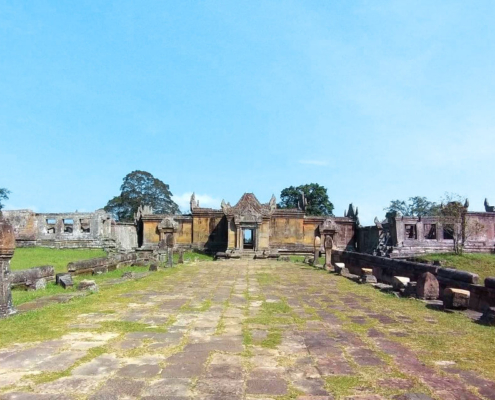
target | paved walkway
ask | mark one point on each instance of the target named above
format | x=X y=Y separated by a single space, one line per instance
x=236 y=330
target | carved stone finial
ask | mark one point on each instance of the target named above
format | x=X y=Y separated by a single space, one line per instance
x=273 y=202
x=193 y=203
x=378 y=223
x=488 y=207
x=466 y=204
x=345 y=213
x=303 y=202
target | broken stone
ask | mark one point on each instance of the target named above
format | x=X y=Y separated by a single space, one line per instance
x=100 y=270
x=39 y=284
x=338 y=267
x=88 y=285
x=427 y=287
x=488 y=316
x=410 y=289
x=490 y=282
x=153 y=267
x=129 y=275
x=284 y=258
x=181 y=257
x=366 y=271
x=58 y=276
x=368 y=278
x=66 y=281
x=456 y=298
x=400 y=282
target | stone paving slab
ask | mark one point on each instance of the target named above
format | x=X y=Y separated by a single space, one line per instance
x=220 y=344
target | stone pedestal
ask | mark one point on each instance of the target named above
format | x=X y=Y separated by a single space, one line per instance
x=7 y=247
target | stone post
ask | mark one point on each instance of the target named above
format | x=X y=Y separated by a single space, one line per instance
x=170 y=253
x=317 y=245
x=181 y=257
x=7 y=247
x=328 y=252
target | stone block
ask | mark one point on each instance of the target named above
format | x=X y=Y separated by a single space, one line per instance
x=59 y=275
x=490 y=282
x=39 y=284
x=66 y=281
x=100 y=270
x=410 y=289
x=368 y=279
x=456 y=298
x=427 y=287
x=400 y=282
x=366 y=271
x=88 y=285
x=488 y=316
x=338 y=267
x=153 y=267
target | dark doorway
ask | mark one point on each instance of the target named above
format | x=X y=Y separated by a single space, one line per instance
x=248 y=239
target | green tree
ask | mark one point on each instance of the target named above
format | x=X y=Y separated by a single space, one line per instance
x=316 y=196
x=4 y=195
x=416 y=206
x=141 y=188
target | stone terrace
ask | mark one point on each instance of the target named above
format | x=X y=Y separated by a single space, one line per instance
x=237 y=330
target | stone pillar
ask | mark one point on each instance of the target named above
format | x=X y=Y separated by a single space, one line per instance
x=7 y=247
x=328 y=252
x=317 y=245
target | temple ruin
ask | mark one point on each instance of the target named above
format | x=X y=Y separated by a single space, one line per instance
x=248 y=227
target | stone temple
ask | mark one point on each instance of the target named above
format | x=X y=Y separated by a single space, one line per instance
x=249 y=227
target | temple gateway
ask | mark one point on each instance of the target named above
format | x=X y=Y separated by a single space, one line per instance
x=247 y=227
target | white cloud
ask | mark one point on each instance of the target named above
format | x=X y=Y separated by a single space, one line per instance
x=313 y=162
x=205 y=200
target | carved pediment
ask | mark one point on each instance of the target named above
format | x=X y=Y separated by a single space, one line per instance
x=168 y=224
x=329 y=226
x=249 y=209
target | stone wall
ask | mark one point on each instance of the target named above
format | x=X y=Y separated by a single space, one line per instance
x=70 y=230
x=105 y=264
x=384 y=269
x=413 y=236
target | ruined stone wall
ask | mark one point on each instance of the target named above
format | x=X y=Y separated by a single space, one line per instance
x=60 y=230
x=125 y=235
x=414 y=236
x=184 y=232
x=384 y=269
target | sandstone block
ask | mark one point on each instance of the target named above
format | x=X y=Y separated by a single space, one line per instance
x=400 y=282
x=490 y=282
x=338 y=267
x=366 y=271
x=39 y=284
x=368 y=279
x=456 y=298
x=153 y=267
x=488 y=316
x=66 y=281
x=427 y=287
x=88 y=285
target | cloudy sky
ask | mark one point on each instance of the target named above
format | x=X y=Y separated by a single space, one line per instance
x=375 y=100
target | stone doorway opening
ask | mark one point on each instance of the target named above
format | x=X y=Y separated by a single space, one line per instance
x=248 y=239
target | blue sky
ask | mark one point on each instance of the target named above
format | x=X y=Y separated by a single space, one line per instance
x=375 y=100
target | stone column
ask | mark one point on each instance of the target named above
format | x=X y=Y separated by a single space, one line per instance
x=317 y=245
x=7 y=247
x=328 y=252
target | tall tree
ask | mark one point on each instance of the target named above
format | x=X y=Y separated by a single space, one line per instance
x=4 y=195
x=416 y=206
x=141 y=188
x=316 y=196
